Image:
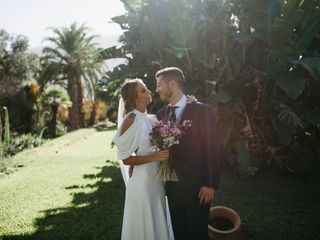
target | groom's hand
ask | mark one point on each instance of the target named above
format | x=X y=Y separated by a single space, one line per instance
x=206 y=195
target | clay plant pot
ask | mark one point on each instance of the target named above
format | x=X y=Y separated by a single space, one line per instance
x=224 y=223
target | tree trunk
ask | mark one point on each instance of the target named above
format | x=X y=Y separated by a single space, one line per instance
x=53 y=123
x=74 y=122
x=1 y=144
x=93 y=114
x=80 y=103
x=76 y=118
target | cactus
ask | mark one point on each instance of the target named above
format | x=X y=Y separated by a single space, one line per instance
x=6 y=138
x=1 y=143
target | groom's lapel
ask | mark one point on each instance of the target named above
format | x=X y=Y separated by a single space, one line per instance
x=162 y=114
x=187 y=112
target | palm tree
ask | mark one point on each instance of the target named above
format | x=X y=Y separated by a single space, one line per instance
x=54 y=97
x=72 y=60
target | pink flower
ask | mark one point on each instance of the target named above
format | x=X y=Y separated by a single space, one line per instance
x=166 y=134
x=163 y=136
x=176 y=132
x=163 y=132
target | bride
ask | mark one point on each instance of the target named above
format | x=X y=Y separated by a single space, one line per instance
x=145 y=215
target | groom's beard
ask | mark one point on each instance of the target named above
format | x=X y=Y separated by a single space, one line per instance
x=166 y=96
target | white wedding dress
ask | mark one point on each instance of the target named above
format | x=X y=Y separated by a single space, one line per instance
x=145 y=214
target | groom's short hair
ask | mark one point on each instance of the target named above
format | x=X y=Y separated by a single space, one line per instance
x=172 y=73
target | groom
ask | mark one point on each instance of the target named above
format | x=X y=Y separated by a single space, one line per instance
x=195 y=177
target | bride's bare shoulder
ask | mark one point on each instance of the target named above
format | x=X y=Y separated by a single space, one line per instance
x=127 y=122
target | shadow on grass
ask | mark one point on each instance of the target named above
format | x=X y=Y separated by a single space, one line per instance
x=95 y=214
x=103 y=127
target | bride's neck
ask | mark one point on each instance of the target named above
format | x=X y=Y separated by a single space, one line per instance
x=141 y=108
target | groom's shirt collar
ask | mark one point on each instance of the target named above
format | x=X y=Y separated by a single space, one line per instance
x=181 y=104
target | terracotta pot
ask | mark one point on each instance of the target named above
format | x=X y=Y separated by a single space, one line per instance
x=229 y=214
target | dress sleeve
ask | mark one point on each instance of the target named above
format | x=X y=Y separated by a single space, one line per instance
x=129 y=141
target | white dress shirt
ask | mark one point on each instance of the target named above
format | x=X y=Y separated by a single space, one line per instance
x=181 y=104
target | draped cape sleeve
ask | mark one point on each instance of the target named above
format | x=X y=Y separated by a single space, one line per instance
x=130 y=140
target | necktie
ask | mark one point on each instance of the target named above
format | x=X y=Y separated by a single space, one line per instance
x=172 y=113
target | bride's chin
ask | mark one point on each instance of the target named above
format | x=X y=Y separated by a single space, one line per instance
x=149 y=100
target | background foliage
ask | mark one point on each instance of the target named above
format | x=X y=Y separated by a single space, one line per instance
x=255 y=62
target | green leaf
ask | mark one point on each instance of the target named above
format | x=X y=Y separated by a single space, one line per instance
x=285 y=131
x=112 y=52
x=243 y=158
x=312 y=116
x=312 y=65
x=133 y=5
x=223 y=96
x=291 y=84
x=242 y=37
x=226 y=127
x=312 y=29
x=122 y=20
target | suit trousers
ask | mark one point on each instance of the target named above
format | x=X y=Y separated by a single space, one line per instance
x=189 y=218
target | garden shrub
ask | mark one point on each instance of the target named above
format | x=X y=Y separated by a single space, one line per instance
x=25 y=141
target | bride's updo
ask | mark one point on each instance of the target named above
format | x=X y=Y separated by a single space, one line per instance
x=129 y=93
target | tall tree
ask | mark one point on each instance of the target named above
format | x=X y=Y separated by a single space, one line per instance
x=72 y=59
x=16 y=65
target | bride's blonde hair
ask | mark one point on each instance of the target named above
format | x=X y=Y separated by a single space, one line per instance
x=129 y=93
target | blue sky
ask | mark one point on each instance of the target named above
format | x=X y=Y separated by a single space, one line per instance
x=32 y=17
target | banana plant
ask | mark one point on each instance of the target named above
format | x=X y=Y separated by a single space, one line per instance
x=255 y=61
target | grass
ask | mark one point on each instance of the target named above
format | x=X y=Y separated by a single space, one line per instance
x=71 y=188
x=273 y=207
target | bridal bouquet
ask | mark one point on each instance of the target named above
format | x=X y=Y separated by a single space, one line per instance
x=163 y=136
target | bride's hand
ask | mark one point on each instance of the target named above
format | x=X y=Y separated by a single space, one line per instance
x=191 y=99
x=161 y=155
x=130 y=170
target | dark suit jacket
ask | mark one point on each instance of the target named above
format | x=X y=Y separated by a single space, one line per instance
x=196 y=158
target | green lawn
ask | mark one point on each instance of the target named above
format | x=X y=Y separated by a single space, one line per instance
x=71 y=188
x=272 y=207
x=68 y=189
